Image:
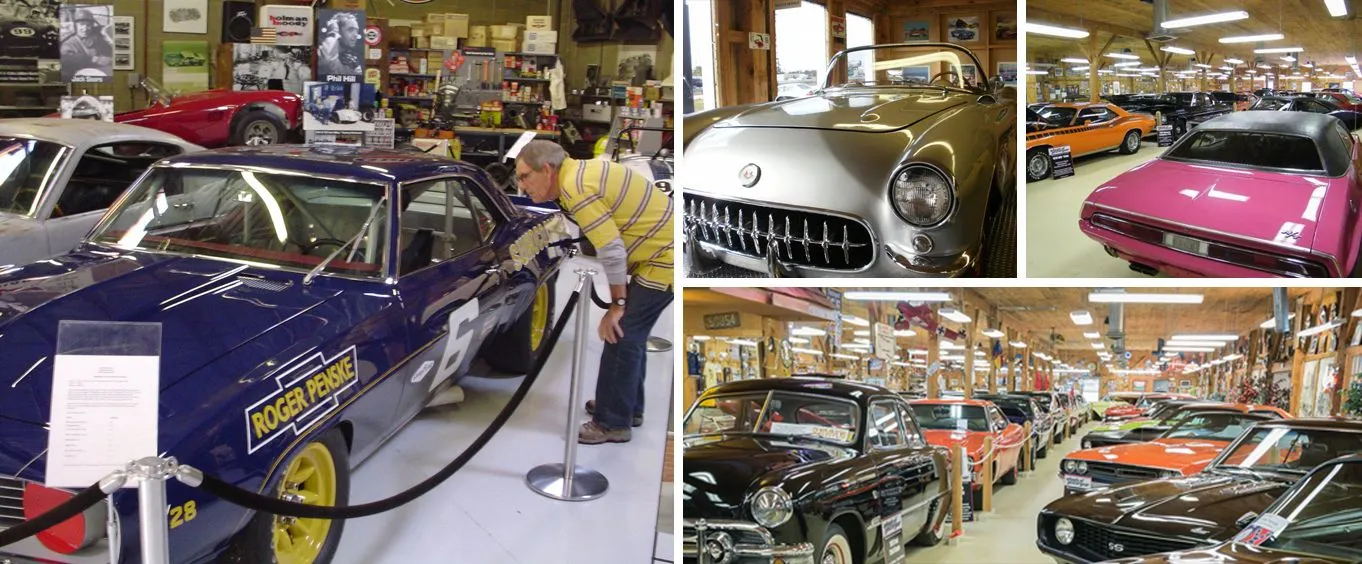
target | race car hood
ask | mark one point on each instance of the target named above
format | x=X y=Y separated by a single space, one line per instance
x=206 y=308
x=973 y=441
x=1188 y=456
x=719 y=470
x=1204 y=506
x=870 y=110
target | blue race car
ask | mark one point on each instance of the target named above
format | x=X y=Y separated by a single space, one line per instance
x=312 y=301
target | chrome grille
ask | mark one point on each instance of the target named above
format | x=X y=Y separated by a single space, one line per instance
x=802 y=238
x=1108 y=544
x=1108 y=473
x=11 y=502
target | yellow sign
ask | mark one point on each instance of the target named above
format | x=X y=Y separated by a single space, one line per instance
x=305 y=394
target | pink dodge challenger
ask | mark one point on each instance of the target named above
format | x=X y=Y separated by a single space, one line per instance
x=1247 y=194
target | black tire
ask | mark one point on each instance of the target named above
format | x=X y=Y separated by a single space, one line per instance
x=258 y=128
x=512 y=351
x=1131 y=144
x=1038 y=165
x=1044 y=452
x=255 y=543
x=1010 y=478
x=932 y=534
x=836 y=539
x=1179 y=128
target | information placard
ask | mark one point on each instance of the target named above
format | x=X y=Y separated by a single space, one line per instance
x=1061 y=162
x=1165 y=135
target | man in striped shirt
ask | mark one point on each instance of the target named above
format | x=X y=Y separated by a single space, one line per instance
x=629 y=221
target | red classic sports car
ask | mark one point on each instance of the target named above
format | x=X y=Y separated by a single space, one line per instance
x=950 y=421
x=219 y=118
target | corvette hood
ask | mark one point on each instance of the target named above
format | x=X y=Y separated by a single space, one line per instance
x=719 y=470
x=1188 y=456
x=206 y=308
x=1268 y=206
x=1204 y=506
x=867 y=110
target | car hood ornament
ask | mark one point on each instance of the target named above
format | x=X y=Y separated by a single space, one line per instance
x=749 y=175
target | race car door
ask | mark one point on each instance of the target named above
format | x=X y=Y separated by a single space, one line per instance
x=449 y=281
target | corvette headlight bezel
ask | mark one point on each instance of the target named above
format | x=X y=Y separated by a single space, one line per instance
x=922 y=181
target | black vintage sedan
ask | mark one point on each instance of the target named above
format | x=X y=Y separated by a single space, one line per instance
x=805 y=470
x=1020 y=409
x=1351 y=119
x=1317 y=521
x=1182 y=513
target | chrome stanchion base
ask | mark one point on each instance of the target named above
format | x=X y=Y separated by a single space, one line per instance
x=547 y=480
x=658 y=344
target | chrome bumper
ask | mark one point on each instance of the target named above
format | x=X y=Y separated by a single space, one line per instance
x=711 y=542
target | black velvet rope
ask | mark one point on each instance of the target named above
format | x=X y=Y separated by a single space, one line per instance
x=276 y=506
x=86 y=499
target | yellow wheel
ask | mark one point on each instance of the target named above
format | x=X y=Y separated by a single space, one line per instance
x=539 y=317
x=310 y=479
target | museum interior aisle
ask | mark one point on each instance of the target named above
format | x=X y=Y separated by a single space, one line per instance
x=485 y=512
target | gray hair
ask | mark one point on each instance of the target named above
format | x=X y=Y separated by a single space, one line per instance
x=540 y=152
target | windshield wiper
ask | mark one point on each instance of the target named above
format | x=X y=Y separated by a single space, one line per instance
x=307 y=279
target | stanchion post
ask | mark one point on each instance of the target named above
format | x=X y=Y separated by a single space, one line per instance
x=987 y=474
x=957 y=493
x=1027 y=449
x=151 y=473
x=567 y=481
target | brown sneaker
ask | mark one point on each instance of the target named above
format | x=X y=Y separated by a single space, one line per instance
x=591 y=410
x=593 y=433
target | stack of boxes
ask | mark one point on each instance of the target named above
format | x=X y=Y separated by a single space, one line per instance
x=440 y=31
x=540 y=38
x=505 y=38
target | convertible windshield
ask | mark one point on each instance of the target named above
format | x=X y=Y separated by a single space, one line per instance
x=929 y=65
x=1292 y=450
x=1212 y=426
x=261 y=218
x=1321 y=514
x=951 y=417
x=791 y=414
x=1249 y=148
x=27 y=168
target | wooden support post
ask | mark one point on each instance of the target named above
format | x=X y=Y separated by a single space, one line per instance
x=986 y=474
x=1350 y=303
x=957 y=491
x=968 y=384
x=1298 y=360
x=1028 y=447
x=933 y=358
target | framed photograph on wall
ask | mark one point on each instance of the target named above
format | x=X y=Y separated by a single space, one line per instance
x=1005 y=26
x=916 y=31
x=1008 y=73
x=962 y=29
x=920 y=74
x=969 y=74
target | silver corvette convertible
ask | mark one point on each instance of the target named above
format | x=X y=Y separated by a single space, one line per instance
x=897 y=170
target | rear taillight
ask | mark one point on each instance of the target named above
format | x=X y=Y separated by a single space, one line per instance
x=70 y=535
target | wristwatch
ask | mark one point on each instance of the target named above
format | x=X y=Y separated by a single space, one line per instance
x=618 y=302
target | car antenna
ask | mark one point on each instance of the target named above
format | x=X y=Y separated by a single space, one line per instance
x=307 y=279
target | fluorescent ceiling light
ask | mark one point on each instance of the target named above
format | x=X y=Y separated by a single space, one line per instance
x=813 y=352
x=1253 y=38
x=1226 y=69
x=845 y=356
x=978 y=353
x=1081 y=317
x=857 y=321
x=701 y=337
x=904 y=332
x=917 y=352
x=1017 y=345
x=808 y=332
x=1288 y=59
x=1080 y=68
x=879 y=296
x=899 y=363
x=1337 y=8
x=1235 y=61
x=1092 y=335
x=798 y=341
x=861 y=333
x=1351 y=60
x=1131 y=298
x=1135 y=371
x=1123 y=56
x=1206 y=19
x=1128 y=64
x=1037 y=72
x=1320 y=328
x=1279 y=50
x=993 y=333
x=1054 y=30
x=1189 y=349
x=1098 y=346
x=1233 y=357
x=863 y=341
x=1178 y=50
x=743 y=342
x=1194 y=343
x=1074 y=60
x=1202 y=65
x=949 y=346
x=1205 y=337
x=955 y=315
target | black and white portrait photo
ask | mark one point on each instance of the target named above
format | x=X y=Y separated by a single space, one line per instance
x=88 y=107
x=30 y=29
x=254 y=66
x=340 y=45
x=86 y=45
x=635 y=64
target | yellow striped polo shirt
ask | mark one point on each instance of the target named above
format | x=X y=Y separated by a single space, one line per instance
x=609 y=200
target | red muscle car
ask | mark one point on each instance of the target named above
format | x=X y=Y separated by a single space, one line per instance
x=219 y=118
x=951 y=421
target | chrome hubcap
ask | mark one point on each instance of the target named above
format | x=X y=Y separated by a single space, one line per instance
x=1038 y=165
x=261 y=133
x=1132 y=141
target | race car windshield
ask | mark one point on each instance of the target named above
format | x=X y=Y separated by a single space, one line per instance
x=925 y=66
x=951 y=417
x=263 y=219
x=1290 y=450
x=1321 y=514
x=1211 y=426
x=27 y=169
x=775 y=413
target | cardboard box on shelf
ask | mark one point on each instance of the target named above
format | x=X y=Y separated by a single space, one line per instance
x=435 y=17
x=538 y=22
x=444 y=42
x=539 y=48
x=399 y=37
x=456 y=25
x=504 y=45
x=541 y=36
x=477 y=36
x=433 y=29
x=505 y=32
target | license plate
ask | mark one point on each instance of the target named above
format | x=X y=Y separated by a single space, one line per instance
x=1080 y=483
x=1185 y=244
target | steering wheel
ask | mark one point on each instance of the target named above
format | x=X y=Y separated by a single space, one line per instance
x=948 y=74
x=309 y=247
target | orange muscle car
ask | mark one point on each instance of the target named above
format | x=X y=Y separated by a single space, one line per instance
x=950 y=421
x=1086 y=129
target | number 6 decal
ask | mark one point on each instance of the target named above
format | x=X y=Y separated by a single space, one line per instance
x=456 y=345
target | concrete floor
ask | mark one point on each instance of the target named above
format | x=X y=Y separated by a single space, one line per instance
x=1055 y=248
x=1008 y=534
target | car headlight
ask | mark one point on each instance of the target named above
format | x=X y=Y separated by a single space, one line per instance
x=1168 y=474
x=772 y=507
x=1082 y=467
x=921 y=195
x=1064 y=531
x=1087 y=443
x=1070 y=466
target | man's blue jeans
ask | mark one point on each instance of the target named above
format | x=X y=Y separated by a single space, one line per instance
x=619 y=387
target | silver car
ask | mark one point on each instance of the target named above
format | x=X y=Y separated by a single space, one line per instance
x=57 y=177
x=897 y=172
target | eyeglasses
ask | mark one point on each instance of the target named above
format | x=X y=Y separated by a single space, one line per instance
x=521 y=176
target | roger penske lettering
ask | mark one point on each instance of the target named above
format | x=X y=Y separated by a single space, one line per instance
x=305 y=394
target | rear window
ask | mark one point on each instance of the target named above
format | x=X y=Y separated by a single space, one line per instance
x=1251 y=149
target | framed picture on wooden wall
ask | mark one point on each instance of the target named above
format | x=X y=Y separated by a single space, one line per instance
x=969 y=74
x=1005 y=26
x=962 y=29
x=1008 y=72
x=916 y=31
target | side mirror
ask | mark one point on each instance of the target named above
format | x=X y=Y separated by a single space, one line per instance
x=1245 y=519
